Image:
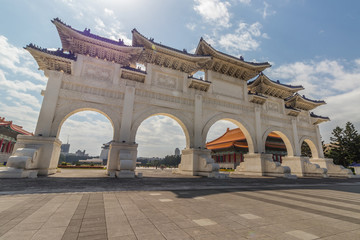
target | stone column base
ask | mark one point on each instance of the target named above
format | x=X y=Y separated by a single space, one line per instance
x=302 y=167
x=333 y=170
x=125 y=174
x=33 y=154
x=122 y=160
x=9 y=172
x=198 y=162
x=256 y=164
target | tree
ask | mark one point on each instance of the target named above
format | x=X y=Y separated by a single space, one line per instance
x=345 y=145
x=305 y=150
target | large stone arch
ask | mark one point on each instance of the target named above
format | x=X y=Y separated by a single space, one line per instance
x=180 y=118
x=238 y=121
x=68 y=110
x=284 y=136
x=311 y=142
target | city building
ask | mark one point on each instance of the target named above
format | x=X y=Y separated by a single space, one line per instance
x=65 y=148
x=177 y=152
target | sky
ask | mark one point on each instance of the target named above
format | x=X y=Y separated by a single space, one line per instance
x=311 y=43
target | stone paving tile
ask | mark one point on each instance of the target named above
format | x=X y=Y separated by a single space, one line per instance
x=139 y=215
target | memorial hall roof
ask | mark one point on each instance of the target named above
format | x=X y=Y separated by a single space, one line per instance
x=262 y=84
x=301 y=102
x=235 y=137
x=14 y=129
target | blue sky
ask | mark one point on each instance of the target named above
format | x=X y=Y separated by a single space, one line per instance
x=312 y=43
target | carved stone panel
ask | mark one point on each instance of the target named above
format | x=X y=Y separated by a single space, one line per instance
x=165 y=81
x=94 y=72
x=273 y=107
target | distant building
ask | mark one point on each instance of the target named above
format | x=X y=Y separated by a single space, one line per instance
x=8 y=136
x=177 y=152
x=105 y=152
x=81 y=153
x=65 y=148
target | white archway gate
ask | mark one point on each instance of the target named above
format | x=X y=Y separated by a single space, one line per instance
x=93 y=72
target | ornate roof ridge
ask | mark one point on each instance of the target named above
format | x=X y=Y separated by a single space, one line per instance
x=87 y=33
x=232 y=57
x=59 y=52
x=312 y=114
x=305 y=98
x=167 y=47
x=277 y=82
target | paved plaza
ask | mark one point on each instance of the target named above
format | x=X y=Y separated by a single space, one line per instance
x=83 y=204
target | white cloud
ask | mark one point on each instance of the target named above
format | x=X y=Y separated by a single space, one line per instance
x=266 y=11
x=108 y=12
x=18 y=60
x=19 y=85
x=246 y=2
x=191 y=26
x=111 y=28
x=159 y=136
x=245 y=38
x=89 y=133
x=218 y=129
x=337 y=82
x=214 y=12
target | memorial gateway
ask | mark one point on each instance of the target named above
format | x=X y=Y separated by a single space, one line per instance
x=94 y=73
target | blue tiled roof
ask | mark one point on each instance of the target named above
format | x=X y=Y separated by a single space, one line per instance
x=87 y=33
x=317 y=116
x=167 y=47
x=276 y=82
x=58 y=53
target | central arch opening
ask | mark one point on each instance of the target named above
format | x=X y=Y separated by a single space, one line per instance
x=228 y=143
x=160 y=139
x=85 y=137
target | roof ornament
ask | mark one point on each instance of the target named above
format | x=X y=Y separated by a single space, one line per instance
x=184 y=50
x=121 y=41
x=151 y=39
x=241 y=58
x=87 y=31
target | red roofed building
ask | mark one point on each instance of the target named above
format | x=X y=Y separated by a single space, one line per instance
x=8 y=134
x=229 y=149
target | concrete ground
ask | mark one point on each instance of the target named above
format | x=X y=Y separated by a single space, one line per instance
x=84 y=204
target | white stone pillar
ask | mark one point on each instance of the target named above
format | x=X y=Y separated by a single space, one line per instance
x=319 y=143
x=198 y=122
x=127 y=114
x=260 y=147
x=117 y=74
x=48 y=106
x=297 y=148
